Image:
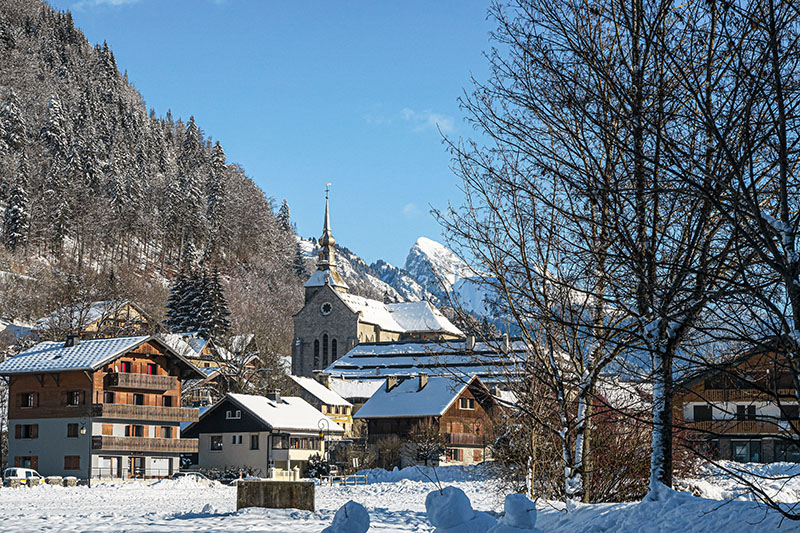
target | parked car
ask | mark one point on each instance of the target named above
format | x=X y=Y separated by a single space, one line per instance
x=23 y=474
x=197 y=476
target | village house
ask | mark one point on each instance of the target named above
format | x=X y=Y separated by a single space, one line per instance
x=461 y=410
x=98 y=408
x=270 y=435
x=106 y=318
x=332 y=320
x=325 y=400
x=729 y=408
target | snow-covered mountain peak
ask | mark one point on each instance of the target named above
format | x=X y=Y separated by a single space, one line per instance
x=434 y=265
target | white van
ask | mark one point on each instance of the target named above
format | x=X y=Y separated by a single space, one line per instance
x=23 y=474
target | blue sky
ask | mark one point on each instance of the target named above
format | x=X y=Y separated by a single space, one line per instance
x=302 y=93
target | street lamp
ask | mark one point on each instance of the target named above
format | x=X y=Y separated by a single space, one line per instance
x=323 y=424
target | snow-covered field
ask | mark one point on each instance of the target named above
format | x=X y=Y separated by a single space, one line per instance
x=395 y=501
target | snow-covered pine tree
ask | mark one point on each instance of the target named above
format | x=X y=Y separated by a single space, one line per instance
x=284 y=218
x=215 y=189
x=16 y=221
x=12 y=125
x=214 y=313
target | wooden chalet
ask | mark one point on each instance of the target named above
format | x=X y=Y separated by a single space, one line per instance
x=106 y=318
x=461 y=409
x=98 y=408
x=746 y=411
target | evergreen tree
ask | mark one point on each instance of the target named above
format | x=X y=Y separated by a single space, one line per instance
x=16 y=222
x=284 y=218
x=213 y=310
x=12 y=125
x=215 y=189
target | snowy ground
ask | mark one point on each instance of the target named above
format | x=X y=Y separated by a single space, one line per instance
x=394 y=504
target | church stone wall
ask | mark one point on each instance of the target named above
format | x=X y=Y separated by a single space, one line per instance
x=310 y=324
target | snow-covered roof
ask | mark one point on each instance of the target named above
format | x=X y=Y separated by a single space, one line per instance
x=52 y=356
x=91 y=354
x=376 y=360
x=321 y=278
x=83 y=316
x=355 y=388
x=371 y=311
x=13 y=331
x=320 y=391
x=289 y=413
x=406 y=399
x=178 y=342
x=421 y=317
x=407 y=317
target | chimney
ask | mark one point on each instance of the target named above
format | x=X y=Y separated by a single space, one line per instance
x=72 y=340
x=391 y=382
x=325 y=379
x=469 y=345
x=274 y=395
x=506 y=343
x=423 y=380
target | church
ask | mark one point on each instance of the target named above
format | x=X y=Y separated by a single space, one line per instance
x=333 y=321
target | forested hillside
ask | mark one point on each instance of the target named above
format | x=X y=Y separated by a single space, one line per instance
x=100 y=197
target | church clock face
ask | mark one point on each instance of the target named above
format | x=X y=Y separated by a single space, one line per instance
x=326 y=308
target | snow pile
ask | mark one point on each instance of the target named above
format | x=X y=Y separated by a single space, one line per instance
x=183 y=482
x=450 y=511
x=351 y=517
x=728 y=480
x=444 y=474
x=520 y=515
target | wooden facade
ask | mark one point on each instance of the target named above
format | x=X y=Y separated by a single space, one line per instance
x=121 y=420
x=747 y=411
x=466 y=425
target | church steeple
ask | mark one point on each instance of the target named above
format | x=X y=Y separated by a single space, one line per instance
x=326 y=273
x=327 y=255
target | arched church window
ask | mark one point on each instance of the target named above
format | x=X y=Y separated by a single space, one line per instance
x=316 y=353
x=325 y=350
x=333 y=350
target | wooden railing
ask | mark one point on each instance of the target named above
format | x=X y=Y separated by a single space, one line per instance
x=128 y=380
x=729 y=395
x=143 y=444
x=465 y=439
x=744 y=427
x=144 y=412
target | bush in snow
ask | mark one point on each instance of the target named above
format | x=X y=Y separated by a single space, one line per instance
x=351 y=517
x=317 y=467
x=450 y=510
x=520 y=515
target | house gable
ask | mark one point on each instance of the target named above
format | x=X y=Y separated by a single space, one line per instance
x=216 y=420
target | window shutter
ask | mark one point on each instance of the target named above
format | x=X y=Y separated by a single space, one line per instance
x=18 y=433
x=35 y=431
x=36 y=400
x=83 y=397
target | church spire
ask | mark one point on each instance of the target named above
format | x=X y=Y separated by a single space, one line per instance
x=327 y=255
x=326 y=273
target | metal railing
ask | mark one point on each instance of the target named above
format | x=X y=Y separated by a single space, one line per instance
x=343 y=481
x=105 y=474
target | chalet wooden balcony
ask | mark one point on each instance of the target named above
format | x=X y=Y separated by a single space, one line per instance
x=144 y=412
x=128 y=380
x=744 y=427
x=731 y=395
x=143 y=444
x=465 y=439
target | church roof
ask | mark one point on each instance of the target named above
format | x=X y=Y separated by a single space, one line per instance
x=372 y=312
x=320 y=278
x=406 y=317
x=417 y=317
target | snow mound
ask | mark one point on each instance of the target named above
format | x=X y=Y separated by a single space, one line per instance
x=520 y=515
x=185 y=482
x=450 y=510
x=444 y=474
x=351 y=517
